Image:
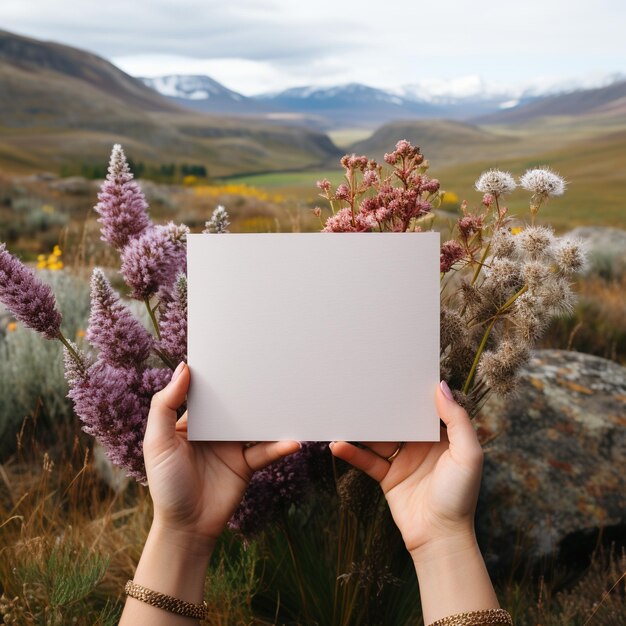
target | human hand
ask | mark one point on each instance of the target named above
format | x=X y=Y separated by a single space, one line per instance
x=431 y=488
x=196 y=486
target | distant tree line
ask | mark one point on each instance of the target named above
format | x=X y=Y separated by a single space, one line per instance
x=165 y=173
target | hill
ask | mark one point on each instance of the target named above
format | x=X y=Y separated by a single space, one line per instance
x=610 y=99
x=441 y=141
x=61 y=106
x=593 y=167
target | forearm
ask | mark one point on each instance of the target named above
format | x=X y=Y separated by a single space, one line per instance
x=174 y=564
x=453 y=578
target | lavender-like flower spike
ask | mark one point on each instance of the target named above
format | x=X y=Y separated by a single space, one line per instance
x=154 y=259
x=219 y=221
x=173 y=323
x=75 y=364
x=114 y=411
x=29 y=300
x=122 y=339
x=287 y=481
x=154 y=379
x=122 y=205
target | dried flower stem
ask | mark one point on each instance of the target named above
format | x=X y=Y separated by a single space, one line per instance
x=483 y=343
x=481 y=263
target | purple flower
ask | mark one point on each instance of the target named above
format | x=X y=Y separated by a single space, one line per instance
x=154 y=259
x=154 y=379
x=122 y=205
x=29 y=300
x=287 y=481
x=122 y=339
x=173 y=323
x=112 y=408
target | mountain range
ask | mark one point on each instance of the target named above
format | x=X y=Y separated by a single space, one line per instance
x=356 y=105
x=60 y=107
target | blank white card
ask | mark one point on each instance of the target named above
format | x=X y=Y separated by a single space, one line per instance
x=313 y=336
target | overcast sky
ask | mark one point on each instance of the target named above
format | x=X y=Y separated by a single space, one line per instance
x=261 y=45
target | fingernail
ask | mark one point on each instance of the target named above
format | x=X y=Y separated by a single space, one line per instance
x=446 y=390
x=178 y=371
x=331 y=444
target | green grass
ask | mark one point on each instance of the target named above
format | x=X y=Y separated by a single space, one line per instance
x=593 y=165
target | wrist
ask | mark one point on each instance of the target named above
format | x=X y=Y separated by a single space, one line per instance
x=445 y=546
x=452 y=576
x=187 y=544
x=174 y=562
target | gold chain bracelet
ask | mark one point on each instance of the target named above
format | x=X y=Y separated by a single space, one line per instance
x=487 y=617
x=168 y=603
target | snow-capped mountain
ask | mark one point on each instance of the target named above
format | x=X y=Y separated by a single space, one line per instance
x=473 y=88
x=204 y=94
x=358 y=105
x=191 y=87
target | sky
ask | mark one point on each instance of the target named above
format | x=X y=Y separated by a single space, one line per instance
x=255 y=46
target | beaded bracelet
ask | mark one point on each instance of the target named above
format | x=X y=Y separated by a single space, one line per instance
x=168 y=603
x=487 y=617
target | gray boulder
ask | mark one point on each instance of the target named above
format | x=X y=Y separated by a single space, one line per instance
x=555 y=457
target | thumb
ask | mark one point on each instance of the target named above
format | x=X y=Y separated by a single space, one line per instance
x=162 y=417
x=464 y=445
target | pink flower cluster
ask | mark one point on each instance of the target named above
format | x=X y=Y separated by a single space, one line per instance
x=369 y=201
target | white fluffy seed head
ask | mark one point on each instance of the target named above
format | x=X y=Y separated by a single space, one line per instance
x=557 y=296
x=503 y=243
x=535 y=242
x=535 y=274
x=496 y=182
x=543 y=182
x=504 y=274
x=570 y=256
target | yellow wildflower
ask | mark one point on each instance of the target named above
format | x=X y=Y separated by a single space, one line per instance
x=516 y=230
x=80 y=333
x=11 y=326
x=52 y=261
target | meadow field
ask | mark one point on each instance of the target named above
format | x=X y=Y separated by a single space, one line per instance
x=72 y=529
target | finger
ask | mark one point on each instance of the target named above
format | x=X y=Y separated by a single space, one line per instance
x=460 y=432
x=361 y=458
x=181 y=424
x=262 y=454
x=382 y=448
x=162 y=416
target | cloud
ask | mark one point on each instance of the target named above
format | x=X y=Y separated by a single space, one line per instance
x=269 y=44
x=261 y=30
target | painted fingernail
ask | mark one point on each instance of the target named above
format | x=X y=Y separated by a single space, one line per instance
x=446 y=390
x=178 y=371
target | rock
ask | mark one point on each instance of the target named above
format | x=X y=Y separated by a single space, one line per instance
x=554 y=457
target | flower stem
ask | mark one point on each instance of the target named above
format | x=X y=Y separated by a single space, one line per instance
x=166 y=359
x=152 y=317
x=483 y=343
x=71 y=350
x=481 y=263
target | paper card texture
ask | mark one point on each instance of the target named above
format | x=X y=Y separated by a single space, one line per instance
x=313 y=336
